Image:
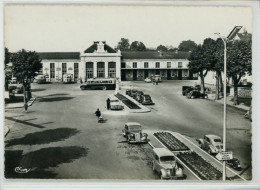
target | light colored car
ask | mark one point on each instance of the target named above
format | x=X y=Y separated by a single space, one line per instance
x=115 y=104
x=165 y=164
x=148 y=80
x=40 y=79
x=133 y=133
x=211 y=143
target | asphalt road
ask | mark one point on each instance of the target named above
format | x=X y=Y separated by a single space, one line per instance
x=59 y=137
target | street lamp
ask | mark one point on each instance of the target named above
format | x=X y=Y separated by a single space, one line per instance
x=231 y=36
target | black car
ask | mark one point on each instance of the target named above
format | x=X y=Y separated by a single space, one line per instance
x=234 y=163
x=196 y=94
x=185 y=88
x=185 y=92
x=132 y=92
x=138 y=95
x=146 y=99
x=206 y=89
x=128 y=92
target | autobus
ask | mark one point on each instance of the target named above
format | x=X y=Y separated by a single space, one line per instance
x=99 y=84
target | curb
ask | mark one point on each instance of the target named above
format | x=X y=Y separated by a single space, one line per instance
x=7 y=130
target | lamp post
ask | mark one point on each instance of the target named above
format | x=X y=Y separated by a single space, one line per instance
x=231 y=36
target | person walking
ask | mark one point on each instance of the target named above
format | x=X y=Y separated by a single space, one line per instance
x=98 y=114
x=108 y=104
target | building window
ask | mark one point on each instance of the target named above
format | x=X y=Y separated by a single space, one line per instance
x=76 y=71
x=89 y=70
x=168 y=64
x=157 y=64
x=134 y=65
x=179 y=64
x=52 y=70
x=122 y=64
x=64 y=68
x=146 y=65
x=112 y=70
x=100 y=69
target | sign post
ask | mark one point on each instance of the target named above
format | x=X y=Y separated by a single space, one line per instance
x=225 y=155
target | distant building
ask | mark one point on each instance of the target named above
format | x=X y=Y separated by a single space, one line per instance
x=102 y=61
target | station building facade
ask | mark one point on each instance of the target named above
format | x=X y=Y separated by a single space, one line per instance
x=102 y=61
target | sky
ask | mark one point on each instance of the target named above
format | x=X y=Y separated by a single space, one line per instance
x=65 y=28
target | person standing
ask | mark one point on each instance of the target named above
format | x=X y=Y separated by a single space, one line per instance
x=98 y=114
x=25 y=107
x=108 y=104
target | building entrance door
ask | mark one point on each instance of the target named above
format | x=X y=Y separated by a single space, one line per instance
x=180 y=74
x=145 y=73
x=169 y=77
x=134 y=74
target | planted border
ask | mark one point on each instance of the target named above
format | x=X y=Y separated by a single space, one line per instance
x=127 y=102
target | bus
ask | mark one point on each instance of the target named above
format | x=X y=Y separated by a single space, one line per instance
x=99 y=84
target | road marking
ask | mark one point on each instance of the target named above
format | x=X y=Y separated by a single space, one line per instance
x=179 y=160
x=211 y=156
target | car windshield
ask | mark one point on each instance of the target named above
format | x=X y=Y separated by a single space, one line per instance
x=217 y=140
x=135 y=128
x=167 y=158
x=219 y=147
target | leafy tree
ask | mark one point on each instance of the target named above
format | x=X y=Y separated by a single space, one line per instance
x=26 y=64
x=239 y=62
x=199 y=64
x=137 y=46
x=123 y=45
x=162 y=48
x=187 y=46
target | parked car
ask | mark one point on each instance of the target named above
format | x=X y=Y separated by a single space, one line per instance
x=15 y=88
x=187 y=90
x=40 y=79
x=115 y=104
x=211 y=143
x=196 y=94
x=234 y=163
x=128 y=92
x=133 y=133
x=206 y=89
x=138 y=95
x=165 y=164
x=248 y=114
x=146 y=99
x=147 y=80
x=132 y=92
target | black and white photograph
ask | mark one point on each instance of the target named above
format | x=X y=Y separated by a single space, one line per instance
x=128 y=92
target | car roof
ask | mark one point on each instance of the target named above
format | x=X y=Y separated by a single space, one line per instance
x=132 y=123
x=213 y=136
x=163 y=152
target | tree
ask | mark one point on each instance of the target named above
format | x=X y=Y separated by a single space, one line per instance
x=239 y=62
x=187 y=46
x=8 y=74
x=137 y=46
x=199 y=64
x=123 y=45
x=162 y=48
x=25 y=68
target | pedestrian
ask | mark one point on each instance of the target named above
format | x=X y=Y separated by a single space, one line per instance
x=156 y=81
x=108 y=104
x=25 y=107
x=98 y=113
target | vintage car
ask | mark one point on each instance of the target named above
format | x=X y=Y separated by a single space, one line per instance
x=133 y=92
x=15 y=88
x=146 y=99
x=234 y=163
x=147 y=80
x=138 y=95
x=133 y=133
x=115 y=104
x=40 y=79
x=128 y=92
x=165 y=164
x=196 y=94
x=211 y=143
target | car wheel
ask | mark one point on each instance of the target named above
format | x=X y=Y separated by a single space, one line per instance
x=104 y=88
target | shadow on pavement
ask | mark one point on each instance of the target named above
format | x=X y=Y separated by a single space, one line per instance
x=16 y=99
x=59 y=94
x=54 y=99
x=38 y=90
x=43 y=137
x=40 y=160
x=24 y=122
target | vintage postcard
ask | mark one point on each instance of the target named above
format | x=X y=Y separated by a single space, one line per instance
x=130 y=92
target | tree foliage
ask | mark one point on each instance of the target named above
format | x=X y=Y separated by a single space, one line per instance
x=123 y=45
x=162 y=48
x=7 y=56
x=25 y=65
x=187 y=45
x=137 y=46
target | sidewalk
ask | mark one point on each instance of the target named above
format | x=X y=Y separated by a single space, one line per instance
x=229 y=102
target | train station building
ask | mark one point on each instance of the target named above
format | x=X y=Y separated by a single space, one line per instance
x=102 y=61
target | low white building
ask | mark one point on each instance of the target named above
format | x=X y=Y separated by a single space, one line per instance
x=102 y=61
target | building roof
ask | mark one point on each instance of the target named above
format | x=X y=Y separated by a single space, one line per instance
x=154 y=55
x=94 y=46
x=59 y=55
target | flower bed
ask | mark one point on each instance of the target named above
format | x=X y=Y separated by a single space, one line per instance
x=200 y=166
x=127 y=102
x=170 y=141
